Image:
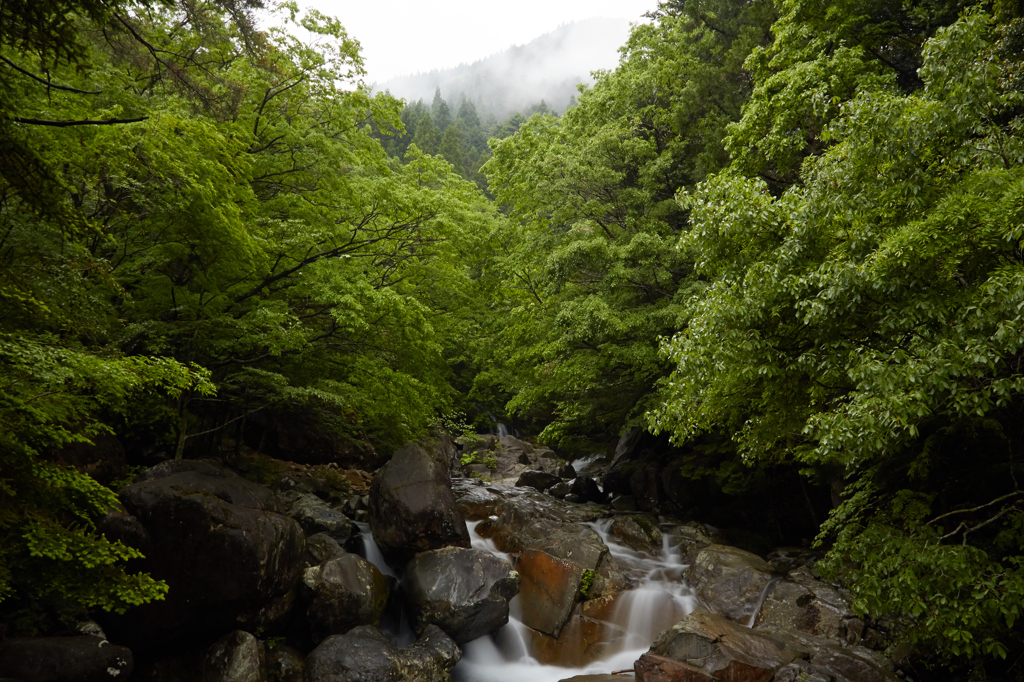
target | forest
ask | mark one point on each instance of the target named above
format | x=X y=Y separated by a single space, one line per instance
x=782 y=243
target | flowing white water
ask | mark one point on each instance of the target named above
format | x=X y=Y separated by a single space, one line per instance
x=371 y=552
x=660 y=600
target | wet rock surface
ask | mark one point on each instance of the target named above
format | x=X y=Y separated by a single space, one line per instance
x=64 y=659
x=465 y=592
x=802 y=602
x=365 y=654
x=412 y=508
x=718 y=648
x=729 y=581
x=548 y=590
x=343 y=593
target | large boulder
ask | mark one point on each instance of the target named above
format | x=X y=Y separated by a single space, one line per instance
x=64 y=659
x=412 y=508
x=587 y=490
x=220 y=541
x=840 y=661
x=322 y=547
x=465 y=592
x=343 y=593
x=365 y=654
x=803 y=602
x=729 y=581
x=704 y=646
x=235 y=657
x=538 y=480
x=548 y=590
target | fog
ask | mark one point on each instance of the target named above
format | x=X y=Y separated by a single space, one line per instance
x=547 y=68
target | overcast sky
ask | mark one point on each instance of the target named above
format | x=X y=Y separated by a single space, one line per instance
x=407 y=36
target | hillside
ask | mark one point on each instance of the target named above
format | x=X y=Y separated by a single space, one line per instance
x=547 y=68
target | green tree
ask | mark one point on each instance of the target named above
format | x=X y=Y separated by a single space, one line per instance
x=590 y=250
x=868 y=320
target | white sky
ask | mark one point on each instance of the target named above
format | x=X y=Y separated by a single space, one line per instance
x=408 y=36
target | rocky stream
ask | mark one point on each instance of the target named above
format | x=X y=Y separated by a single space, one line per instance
x=515 y=567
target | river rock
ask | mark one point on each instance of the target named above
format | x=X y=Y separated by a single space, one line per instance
x=566 y=471
x=344 y=593
x=220 y=541
x=547 y=591
x=235 y=657
x=704 y=646
x=320 y=548
x=802 y=602
x=538 y=480
x=365 y=654
x=640 y=532
x=412 y=508
x=284 y=664
x=842 y=662
x=729 y=581
x=64 y=659
x=559 y=490
x=582 y=641
x=465 y=592
x=316 y=516
x=587 y=490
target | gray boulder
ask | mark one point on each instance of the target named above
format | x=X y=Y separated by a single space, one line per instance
x=465 y=592
x=344 y=593
x=538 y=480
x=412 y=508
x=640 y=532
x=220 y=541
x=587 y=490
x=320 y=548
x=707 y=646
x=365 y=654
x=316 y=516
x=284 y=664
x=64 y=659
x=802 y=602
x=729 y=581
x=235 y=657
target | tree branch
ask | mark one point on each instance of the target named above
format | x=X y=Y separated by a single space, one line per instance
x=83 y=122
x=968 y=511
x=47 y=83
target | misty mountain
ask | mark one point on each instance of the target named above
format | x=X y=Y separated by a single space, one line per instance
x=547 y=68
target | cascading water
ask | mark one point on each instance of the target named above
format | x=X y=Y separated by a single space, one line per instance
x=660 y=599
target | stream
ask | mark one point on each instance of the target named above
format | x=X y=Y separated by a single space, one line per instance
x=659 y=600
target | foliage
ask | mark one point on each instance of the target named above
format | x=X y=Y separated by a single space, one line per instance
x=592 y=275
x=870 y=310
x=187 y=207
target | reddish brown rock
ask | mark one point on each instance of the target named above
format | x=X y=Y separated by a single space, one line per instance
x=547 y=590
x=582 y=641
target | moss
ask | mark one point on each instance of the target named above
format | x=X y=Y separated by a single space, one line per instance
x=587 y=582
